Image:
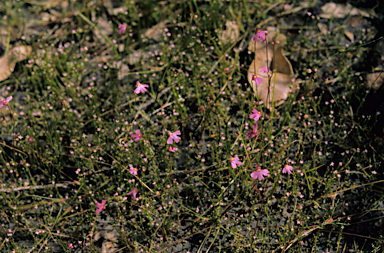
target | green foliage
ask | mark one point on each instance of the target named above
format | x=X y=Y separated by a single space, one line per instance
x=66 y=136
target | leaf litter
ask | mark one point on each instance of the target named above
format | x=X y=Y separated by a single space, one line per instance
x=277 y=86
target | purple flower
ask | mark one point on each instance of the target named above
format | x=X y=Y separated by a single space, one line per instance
x=137 y=136
x=140 y=88
x=264 y=70
x=172 y=149
x=234 y=162
x=5 y=102
x=287 y=169
x=259 y=173
x=133 y=193
x=253 y=133
x=258 y=80
x=255 y=114
x=133 y=170
x=260 y=34
x=122 y=28
x=173 y=137
x=100 y=206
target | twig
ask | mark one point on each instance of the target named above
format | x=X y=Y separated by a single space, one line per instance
x=35 y=187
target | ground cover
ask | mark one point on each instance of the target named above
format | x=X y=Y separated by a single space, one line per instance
x=133 y=126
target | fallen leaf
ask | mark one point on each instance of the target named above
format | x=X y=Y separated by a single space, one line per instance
x=375 y=80
x=323 y=28
x=123 y=69
x=349 y=35
x=156 y=31
x=342 y=10
x=8 y=62
x=108 y=247
x=116 y=11
x=231 y=34
x=3 y=35
x=282 y=79
x=51 y=3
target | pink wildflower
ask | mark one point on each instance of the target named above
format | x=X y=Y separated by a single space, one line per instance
x=133 y=193
x=253 y=133
x=235 y=161
x=172 y=149
x=133 y=170
x=260 y=34
x=100 y=206
x=255 y=114
x=122 y=28
x=264 y=70
x=137 y=136
x=70 y=245
x=258 y=80
x=287 y=169
x=5 y=102
x=173 y=137
x=259 y=173
x=140 y=88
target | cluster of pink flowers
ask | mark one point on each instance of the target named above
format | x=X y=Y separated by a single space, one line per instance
x=259 y=173
x=101 y=206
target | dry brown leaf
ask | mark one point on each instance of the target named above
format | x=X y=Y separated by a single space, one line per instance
x=116 y=11
x=323 y=28
x=51 y=4
x=231 y=34
x=3 y=35
x=343 y=10
x=282 y=79
x=108 y=247
x=375 y=80
x=349 y=35
x=104 y=26
x=8 y=62
x=156 y=31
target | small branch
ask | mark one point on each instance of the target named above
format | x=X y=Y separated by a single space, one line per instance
x=34 y=187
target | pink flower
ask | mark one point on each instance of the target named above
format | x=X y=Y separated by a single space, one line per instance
x=264 y=70
x=100 y=206
x=140 y=88
x=235 y=161
x=133 y=193
x=253 y=133
x=172 y=149
x=137 y=136
x=70 y=245
x=173 y=137
x=133 y=170
x=255 y=114
x=258 y=80
x=260 y=34
x=287 y=7
x=259 y=173
x=287 y=169
x=5 y=102
x=122 y=28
